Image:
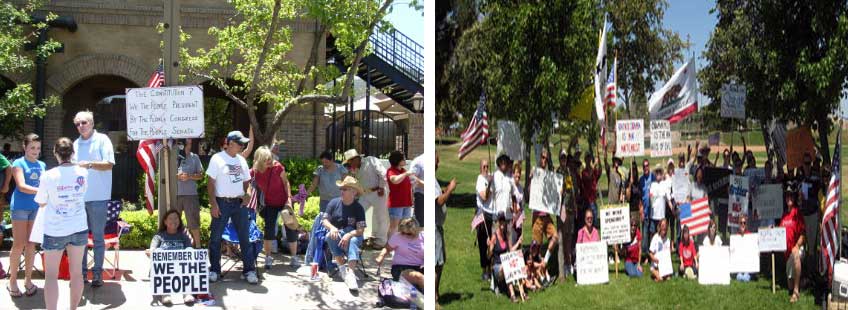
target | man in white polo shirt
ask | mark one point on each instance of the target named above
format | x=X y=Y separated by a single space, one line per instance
x=371 y=175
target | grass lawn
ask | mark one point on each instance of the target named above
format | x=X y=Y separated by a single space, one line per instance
x=461 y=287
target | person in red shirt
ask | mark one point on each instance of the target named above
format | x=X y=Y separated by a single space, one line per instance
x=688 y=254
x=634 y=251
x=400 y=191
x=793 y=221
x=270 y=178
x=589 y=184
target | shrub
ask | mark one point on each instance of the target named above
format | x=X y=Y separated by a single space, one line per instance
x=300 y=171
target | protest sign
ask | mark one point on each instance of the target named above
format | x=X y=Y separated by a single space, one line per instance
x=772 y=239
x=179 y=272
x=513 y=266
x=545 y=191
x=680 y=185
x=615 y=223
x=768 y=201
x=800 y=141
x=737 y=201
x=592 y=263
x=164 y=112
x=665 y=262
x=733 y=101
x=509 y=140
x=744 y=253
x=660 y=138
x=716 y=181
x=714 y=263
x=756 y=176
x=630 y=138
x=777 y=135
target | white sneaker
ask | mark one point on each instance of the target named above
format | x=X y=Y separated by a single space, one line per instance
x=213 y=276
x=350 y=280
x=252 y=278
x=294 y=262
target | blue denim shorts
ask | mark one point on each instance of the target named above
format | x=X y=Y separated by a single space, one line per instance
x=400 y=213
x=59 y=243
x=24 y=215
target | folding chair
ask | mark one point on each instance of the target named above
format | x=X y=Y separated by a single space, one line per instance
x=230 y=240
x=332 y=267
x=115 y=228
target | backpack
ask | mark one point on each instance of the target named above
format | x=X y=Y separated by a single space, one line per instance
x=393 y=294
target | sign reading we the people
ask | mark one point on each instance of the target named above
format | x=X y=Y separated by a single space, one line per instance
x=592 y=265
x=630 y=138
x=660 y=138
x=513 y=266
x=615 y=223
x=165 y=112
x=179 y=272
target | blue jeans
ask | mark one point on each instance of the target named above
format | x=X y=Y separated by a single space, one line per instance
x=649 y=227
x=400 y=213
x=353 y=246
x=95 y=211
x=241 y=219
x=631 y=270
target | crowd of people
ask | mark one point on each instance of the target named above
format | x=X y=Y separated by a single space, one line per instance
x=654 y=206
x=72 y=199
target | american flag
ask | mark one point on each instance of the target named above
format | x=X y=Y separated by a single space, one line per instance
x=158 y=77
x=830 y=220
x=610 y=97
x=477 y=220
x=147 y=149
x=696 y=216
x=478 y=129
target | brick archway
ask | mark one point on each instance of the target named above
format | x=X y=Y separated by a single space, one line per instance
x=85 y=66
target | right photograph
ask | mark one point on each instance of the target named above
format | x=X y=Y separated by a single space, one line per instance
x=640 y=154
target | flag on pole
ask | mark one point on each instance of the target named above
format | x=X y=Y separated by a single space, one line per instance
x=678 y=98
x=477 y=220
x=478 y=129
x=610 y=99
x=601 y=73
x=147 y=149
x=830 y=220
x=158 y=77
x=696 y=216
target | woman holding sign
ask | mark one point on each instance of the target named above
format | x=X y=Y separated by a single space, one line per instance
x=499 y=244
x=61 y=198
x=634 y=250
x=588 y=233
x=659 y=243
x=171 y=236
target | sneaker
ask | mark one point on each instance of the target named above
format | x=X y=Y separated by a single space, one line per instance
x=97 y=280
x=294 y=263
x=268 y=262
x=350 y=280
x=166 y=300
x=188 y=300
x=213 y=277
x=485 y=276
x=251 y=277
x=315 y=278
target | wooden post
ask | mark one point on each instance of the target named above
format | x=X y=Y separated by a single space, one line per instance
x=167 y=159
x=615 y=250
x=773 y=287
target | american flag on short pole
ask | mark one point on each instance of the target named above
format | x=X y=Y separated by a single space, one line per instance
x=830 y=220
x=696 y=216
x=477 y=220
x=158 y=77
x=610 y=97
x=147 y=149
x=478 y=129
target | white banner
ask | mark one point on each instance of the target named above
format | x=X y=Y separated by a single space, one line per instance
x=179 y=272
x=715 y=265
x=513 y=266
x=165 y=112
x=680 y=185
x=733 y=101
x=660 y=138
x=744 y=253
x=772 y=239
x=630 y=138
x=768 y=201
x=665 y=262
x=545 y=189
x=615 y=223
x=737 y=200
x=592 y=265
x=509 y=140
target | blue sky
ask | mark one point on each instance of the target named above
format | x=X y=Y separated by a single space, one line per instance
x=408 y=21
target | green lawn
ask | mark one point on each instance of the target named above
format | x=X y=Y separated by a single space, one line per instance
x=461 y=287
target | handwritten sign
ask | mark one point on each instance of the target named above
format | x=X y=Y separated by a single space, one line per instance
x=545 y=191
x=733 y=101
x=768 y=201
x=509 y=140
x=630 y=138
x=179 y=272
x=737 y=200
x=715 y=265
x=660 y=138
x=615 y=223
x=513 y=266
x=744 y=253
x=680 y=185
x=772 y=239
x=592 y=263
x=165 y=112
x=798 y=142
x=665 y=262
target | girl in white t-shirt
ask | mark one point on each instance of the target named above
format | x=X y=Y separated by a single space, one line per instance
x=61 y=197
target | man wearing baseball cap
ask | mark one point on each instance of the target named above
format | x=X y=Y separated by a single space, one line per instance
x=371 y=175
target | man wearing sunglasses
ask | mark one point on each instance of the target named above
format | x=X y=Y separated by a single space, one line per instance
x=93 y=151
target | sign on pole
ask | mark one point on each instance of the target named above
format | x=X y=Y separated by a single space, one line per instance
x=768 y=201
x=715 y=265
x=733 y=101
x=545 y=190
x=592 y=263
x=660 y=138
x=179 y=272
x=772 y=239
x=630 y=138
x=615 y=223
x=744 y=253
x=165 y=112
x=513 y=266
x=738 y=200
x=509 y=140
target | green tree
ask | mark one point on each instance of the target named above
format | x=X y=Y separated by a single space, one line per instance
x=792 y=57
x=453 y=18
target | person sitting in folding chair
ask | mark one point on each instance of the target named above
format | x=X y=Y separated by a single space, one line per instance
x=234 y=248
x=345 y=221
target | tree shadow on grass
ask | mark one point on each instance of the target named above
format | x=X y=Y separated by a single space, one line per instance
x=463 y=201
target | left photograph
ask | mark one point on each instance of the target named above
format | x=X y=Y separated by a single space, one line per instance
x=213 y=153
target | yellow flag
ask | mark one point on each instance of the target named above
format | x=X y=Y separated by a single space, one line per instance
x=584 y=107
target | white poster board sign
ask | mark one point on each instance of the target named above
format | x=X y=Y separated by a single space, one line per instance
x=733 y=101
x=513 y=266
x=165 y=112
x=680 y=185
x=660 y=138
x=665 y=262
x=744 y=253
x=768 y=201
x=592 y=263
x=545 y=190
x=715 y=265
x=509 y=140
x=615 y=223
x=772 y=239
x=737 y=200
x=630 y=138
x=179 y=272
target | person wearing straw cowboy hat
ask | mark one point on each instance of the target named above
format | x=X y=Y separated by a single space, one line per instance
x=345 y=221
x=371 y=175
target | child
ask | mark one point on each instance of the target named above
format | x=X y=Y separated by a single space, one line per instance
x=533 y=263
x=172 y=236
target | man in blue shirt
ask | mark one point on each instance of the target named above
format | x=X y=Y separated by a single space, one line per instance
x=645 y=181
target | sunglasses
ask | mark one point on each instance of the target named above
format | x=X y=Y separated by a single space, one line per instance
x=82 y=123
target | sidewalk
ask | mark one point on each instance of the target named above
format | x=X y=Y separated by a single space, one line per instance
x=281 y=287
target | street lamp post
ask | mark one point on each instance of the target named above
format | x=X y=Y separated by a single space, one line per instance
x=418 y=102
